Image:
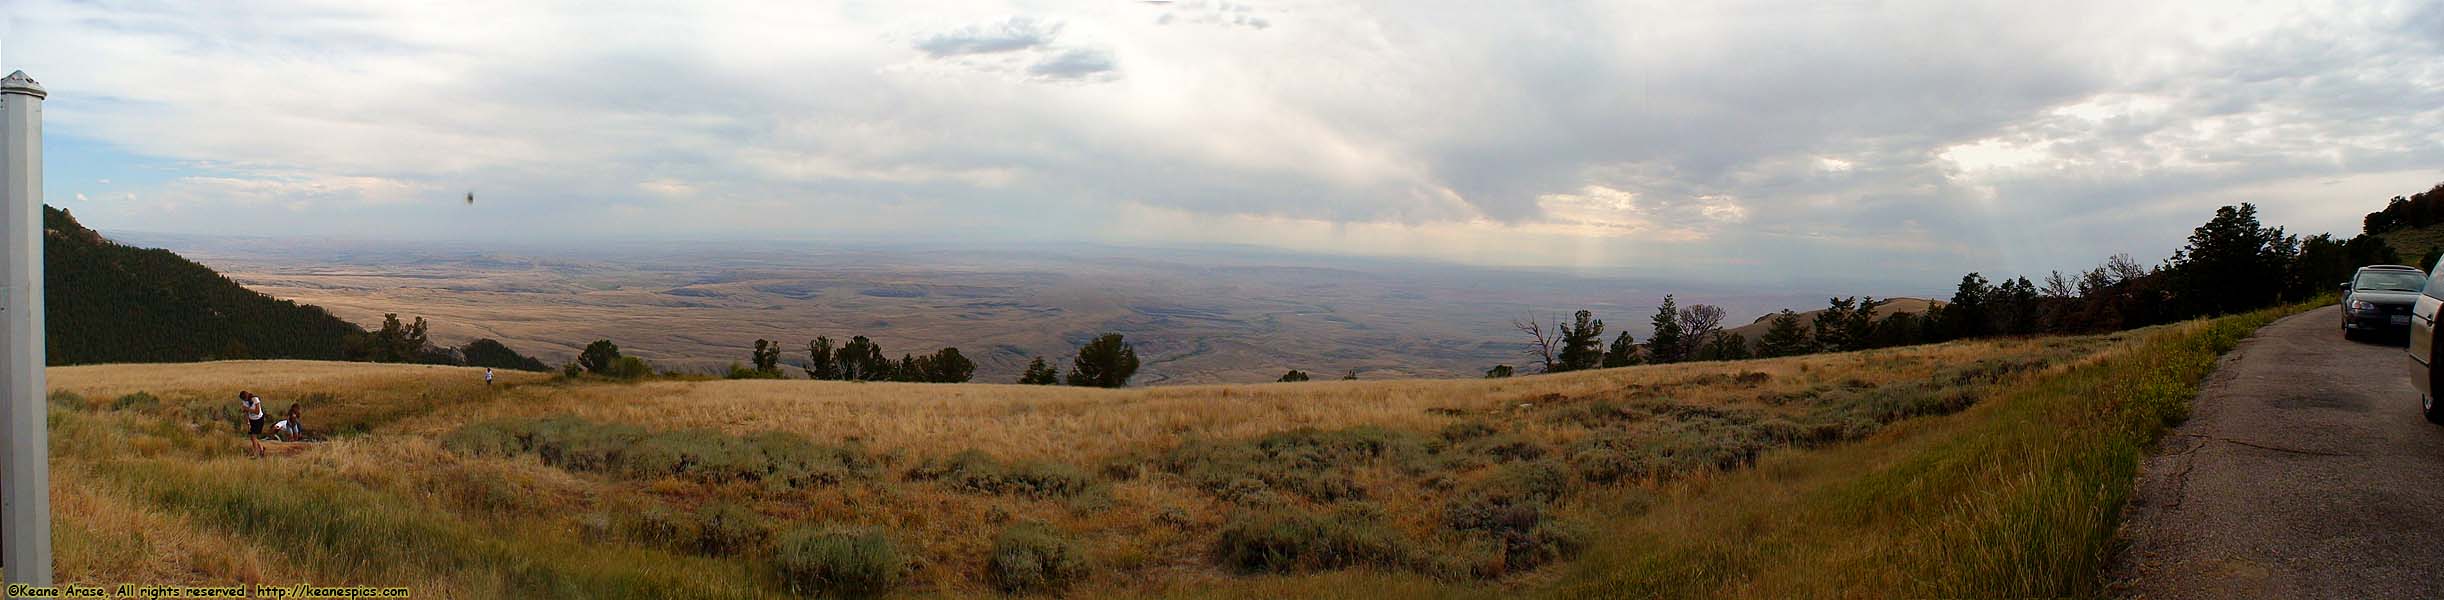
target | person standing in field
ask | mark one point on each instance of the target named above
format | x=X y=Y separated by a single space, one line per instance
x=252 y=406
x=487 y=376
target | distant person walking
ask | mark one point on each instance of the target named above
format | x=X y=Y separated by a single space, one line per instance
x=487 y=376
x=252 y=406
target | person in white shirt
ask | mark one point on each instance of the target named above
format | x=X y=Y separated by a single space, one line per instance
x=487 y=376
x=252 y=406
x=293 y=427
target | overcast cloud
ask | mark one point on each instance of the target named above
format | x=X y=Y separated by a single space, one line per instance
x=1748 y=141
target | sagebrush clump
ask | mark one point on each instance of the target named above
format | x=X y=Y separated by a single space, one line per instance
x=773 y=458
x=976 y=472
x=837 y=562
x=1292 y=541
x=1033 y=557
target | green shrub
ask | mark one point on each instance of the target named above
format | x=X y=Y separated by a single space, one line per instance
x=840 y=562
x=596 y=528
x=67 y=400
x=659 y=526
x=1610 y=456
x=486 y=438
x=741 y=371
x=781 y=460
x=976 y=472
x=211 y=412
x=725 y=529
x=138 y=401
x=1289 y=541
x=1894 y=402
x=1319 y=465
x=1513 y=499
x=1032 y=557
x=1504 y=447
x=1685 y=441
x=1550 y=541
x=1466 y=430
x=793 y=461
x=630 y=367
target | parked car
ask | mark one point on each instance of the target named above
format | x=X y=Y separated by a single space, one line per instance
x=2377 y=300
x=2423 y=346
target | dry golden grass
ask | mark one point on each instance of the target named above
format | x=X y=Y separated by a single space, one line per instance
x=1053 y=422
x=264 y=377
x=454 y=517
x=108 y=537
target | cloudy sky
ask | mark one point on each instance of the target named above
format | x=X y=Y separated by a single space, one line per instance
x=1729 y=140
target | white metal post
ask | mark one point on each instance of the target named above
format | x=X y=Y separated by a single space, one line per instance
x=25 y=528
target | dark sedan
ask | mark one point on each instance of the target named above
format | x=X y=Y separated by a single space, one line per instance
x=2377 y=300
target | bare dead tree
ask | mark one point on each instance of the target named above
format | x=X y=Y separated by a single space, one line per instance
x=1698 y=324
x=2124 y=268
x=1540 y=344
x=2059 y=287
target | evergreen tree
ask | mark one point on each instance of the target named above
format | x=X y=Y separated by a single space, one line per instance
x=1860 y=327
x=2324 y=263
x=1898 y=329
x=821 y=363
x=1667 y=345
x=412 y=347
x=2365 y=250
x=488 y=352
x=1582 y=343
x=1039 y=373
x=1725 y=345
x=948 y=366
x=1294 y=375
x=599 y=357
x=2013 y=306
x=1106 y=362
x=1499 y=372
x=1622 y=353
x=2232 y=263
x=767 y=358
x=1966 y=316
x=389 y=341
x=107 y=302
x=1833 y=325
x=862 y=360
x=1785 y=337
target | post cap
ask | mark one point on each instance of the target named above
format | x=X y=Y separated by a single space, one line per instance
x=18 y=83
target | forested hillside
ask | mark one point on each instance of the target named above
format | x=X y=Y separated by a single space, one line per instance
x=2413 y=226
x=106 y=302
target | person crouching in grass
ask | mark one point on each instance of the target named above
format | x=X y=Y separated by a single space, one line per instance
x=291 y=428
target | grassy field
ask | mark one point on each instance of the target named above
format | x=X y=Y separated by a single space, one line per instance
x=1978 y=468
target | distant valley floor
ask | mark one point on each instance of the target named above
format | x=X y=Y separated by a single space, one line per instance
x=1204 y=318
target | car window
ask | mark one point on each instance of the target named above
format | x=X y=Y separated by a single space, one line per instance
x=2390 y=281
